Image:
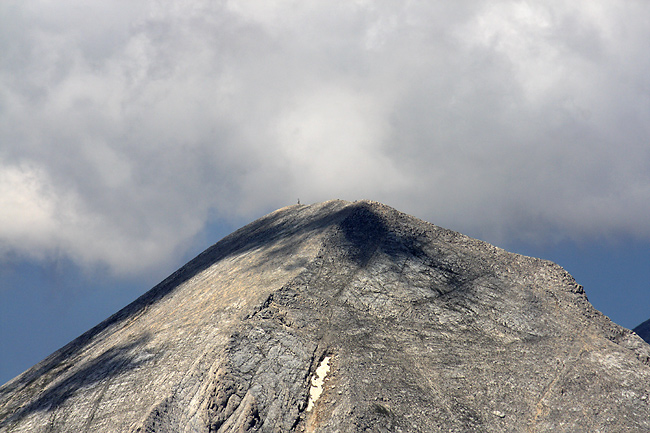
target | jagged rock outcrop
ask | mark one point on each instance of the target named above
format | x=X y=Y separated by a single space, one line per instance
x=406 y=327
x=643 y=330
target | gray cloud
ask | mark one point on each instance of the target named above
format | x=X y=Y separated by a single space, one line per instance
x=125 y=129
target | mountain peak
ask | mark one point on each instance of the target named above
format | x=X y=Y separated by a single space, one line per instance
x=398 y=324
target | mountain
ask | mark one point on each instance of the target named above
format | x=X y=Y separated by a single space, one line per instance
x=345 y=317
x=644 y=330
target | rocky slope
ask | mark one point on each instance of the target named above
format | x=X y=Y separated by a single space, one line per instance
x=345 y=317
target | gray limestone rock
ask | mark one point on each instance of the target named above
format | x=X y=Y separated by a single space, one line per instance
x=345 y=317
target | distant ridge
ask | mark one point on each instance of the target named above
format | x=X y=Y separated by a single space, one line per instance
x=644 y=330
x=345 y=317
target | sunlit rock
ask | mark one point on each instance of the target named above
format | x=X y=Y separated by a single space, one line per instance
x=345 y=317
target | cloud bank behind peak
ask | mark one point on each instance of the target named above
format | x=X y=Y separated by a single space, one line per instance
x=126 y=129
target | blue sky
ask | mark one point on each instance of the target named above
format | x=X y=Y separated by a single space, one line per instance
x=133 y=135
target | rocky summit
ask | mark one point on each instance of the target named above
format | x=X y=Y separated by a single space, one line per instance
x=345 y=317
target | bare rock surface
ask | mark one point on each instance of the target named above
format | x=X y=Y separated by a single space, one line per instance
x=405 y=326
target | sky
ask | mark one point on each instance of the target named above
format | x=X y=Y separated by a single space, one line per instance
x=133 y=135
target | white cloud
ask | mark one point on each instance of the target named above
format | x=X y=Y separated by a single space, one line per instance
x=40 y=221
x=124 y=127
x=333 y=139
x=27 y=207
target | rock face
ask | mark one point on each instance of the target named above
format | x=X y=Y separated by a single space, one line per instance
x=643 y=330
x=404 y=327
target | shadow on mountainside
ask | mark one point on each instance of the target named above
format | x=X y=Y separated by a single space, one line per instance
x=110 y=364
x=363 y=227
x=263 y=231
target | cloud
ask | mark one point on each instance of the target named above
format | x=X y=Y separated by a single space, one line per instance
x=28 y=208
x=126 y=129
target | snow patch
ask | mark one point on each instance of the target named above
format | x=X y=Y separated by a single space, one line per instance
x=317 y=381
